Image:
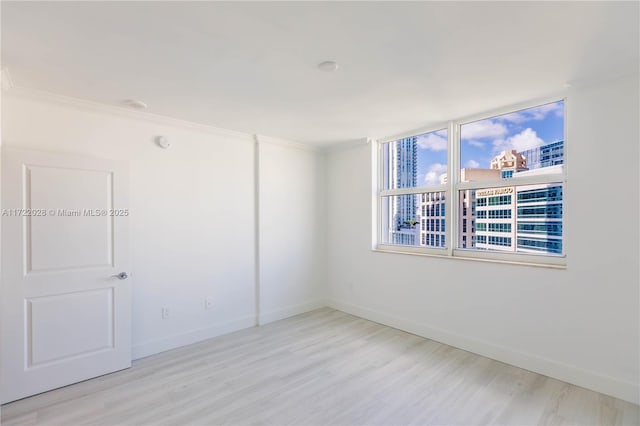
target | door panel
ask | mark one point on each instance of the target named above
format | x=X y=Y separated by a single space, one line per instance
x=66 y=317
x=46 y=315
x=74 y=200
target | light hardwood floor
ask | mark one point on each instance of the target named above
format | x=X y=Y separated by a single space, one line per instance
x=323 y=367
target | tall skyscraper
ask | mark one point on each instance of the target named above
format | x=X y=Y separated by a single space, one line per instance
x=403 y=173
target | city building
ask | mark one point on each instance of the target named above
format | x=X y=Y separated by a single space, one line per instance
x=432 y=219
x=495 y=218
x=524 y=218
x=539 y=219
x=401 y=157
x=509 y=162
x=548 y=155
x=468 y=204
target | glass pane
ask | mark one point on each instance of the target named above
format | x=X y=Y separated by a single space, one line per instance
x=414 y=220
x=524 y=219
x=526 y=142
x=415 y=161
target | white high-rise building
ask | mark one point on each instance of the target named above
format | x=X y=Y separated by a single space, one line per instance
x=403 y=220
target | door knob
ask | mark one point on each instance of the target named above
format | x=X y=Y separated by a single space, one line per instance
x=121 y=276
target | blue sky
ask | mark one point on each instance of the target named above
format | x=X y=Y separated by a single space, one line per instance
x=484 y=139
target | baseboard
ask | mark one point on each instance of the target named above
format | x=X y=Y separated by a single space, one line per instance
x=152 y=347
x=604 y=384
x=289 y=311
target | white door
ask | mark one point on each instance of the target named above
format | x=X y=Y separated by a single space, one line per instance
x=66 y=314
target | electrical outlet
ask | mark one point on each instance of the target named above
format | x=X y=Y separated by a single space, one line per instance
x=208 y=303
x=165 y=312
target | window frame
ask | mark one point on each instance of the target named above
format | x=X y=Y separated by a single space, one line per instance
x=417 y=190
x=453 y=187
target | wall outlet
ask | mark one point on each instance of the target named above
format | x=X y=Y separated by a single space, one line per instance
x=208 y=303
x=165 y=312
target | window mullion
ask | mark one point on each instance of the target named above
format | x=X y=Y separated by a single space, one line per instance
x=516 y=181
x=414 y=190
x=378 y=218
x=451 y=211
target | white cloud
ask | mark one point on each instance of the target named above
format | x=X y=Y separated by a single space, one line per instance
x=559 y=112
x=483 y=129
x=475 y=143
x=432 y=141
x=524 y=140
x=539 y=113
x=472 y=164
x=536 y=113
x=514 y=117
x=435 y=172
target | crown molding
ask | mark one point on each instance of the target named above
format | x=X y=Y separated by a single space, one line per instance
x=43 y=96
x=9 y=88
x=343 y=146
x=287 y=143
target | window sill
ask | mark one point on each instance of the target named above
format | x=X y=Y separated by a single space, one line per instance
x=538 y=261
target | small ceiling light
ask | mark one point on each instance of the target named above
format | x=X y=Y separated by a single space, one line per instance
x=328 y=66
x=567 y=85
x=134 y=103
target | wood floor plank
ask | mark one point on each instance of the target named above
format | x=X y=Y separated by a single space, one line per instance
x=322 y=367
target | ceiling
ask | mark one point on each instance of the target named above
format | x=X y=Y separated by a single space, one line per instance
x=252 y=66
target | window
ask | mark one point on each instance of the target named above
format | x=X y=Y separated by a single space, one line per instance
x=506 y=185
x=412 y=203
x=499 y=227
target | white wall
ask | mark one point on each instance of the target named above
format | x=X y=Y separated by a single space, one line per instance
x=292 y=230
x=193 y=215
x=580 y=324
